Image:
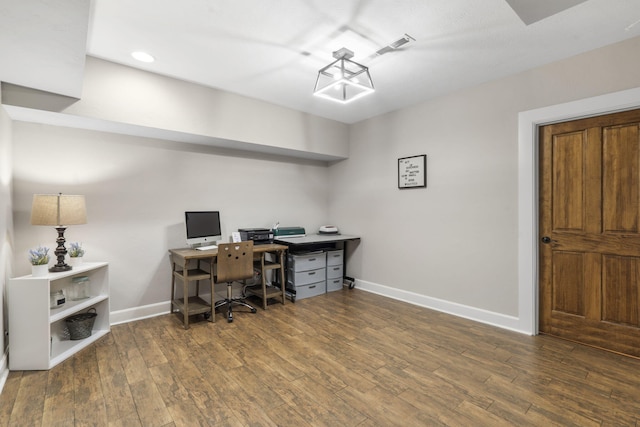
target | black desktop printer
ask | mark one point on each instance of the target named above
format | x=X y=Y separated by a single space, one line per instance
x=258 y=235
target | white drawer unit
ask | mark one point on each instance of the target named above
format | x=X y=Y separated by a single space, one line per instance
x=305 y=277
x=335 y=270
x=308 y=261
x=307 y=274
x=335 y=257
x=311 y=290
x=315 y=273
x=337 y=249
x=334 y=284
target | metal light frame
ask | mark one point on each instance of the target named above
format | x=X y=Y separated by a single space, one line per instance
x=343 y=80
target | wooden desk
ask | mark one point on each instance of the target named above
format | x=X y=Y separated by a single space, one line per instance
x=183 y=268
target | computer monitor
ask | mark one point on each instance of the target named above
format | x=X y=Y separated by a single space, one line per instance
x=203 y=227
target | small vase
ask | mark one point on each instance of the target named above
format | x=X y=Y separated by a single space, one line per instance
x=75 y=261
x=39 y=270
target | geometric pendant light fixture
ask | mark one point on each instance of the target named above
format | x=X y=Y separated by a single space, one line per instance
x=343 y=80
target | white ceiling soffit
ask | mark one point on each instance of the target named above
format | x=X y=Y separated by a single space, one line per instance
x=531 y=11
x=77 y=122
x=43 y=44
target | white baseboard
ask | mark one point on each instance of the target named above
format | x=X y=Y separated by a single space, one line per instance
x=158 y=309
x=138 y=313
x=472 y=313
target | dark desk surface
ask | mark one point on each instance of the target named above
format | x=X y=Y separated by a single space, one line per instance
x=315 y=238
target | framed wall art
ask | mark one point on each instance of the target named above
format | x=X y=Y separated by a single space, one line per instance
x=412 y=172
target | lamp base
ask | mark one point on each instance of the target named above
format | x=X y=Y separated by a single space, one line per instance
x=58 y=268
x=60 y=252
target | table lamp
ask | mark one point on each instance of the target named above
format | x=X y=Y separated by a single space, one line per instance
x=58 y=210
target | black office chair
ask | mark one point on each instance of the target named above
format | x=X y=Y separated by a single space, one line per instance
x=234 y=262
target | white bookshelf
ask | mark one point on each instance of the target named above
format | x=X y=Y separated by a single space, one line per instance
x=38 y=335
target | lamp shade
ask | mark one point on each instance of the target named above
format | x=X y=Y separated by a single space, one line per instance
x=58 y=209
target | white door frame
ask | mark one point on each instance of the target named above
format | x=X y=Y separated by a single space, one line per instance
x=528 y=123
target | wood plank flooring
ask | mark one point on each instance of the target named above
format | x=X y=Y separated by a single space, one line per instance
x=348 y=358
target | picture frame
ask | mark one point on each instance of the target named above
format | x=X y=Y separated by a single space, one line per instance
x=412 y=172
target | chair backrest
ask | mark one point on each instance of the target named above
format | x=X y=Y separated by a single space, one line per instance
x=234 y=261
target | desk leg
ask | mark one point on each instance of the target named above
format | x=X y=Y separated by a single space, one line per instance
x=180 y=263
x=262 y=290
x=173 y=283
x=198 y=281
x=282 y=282
x=350 y=280
x=185 y=297
x=263 y=273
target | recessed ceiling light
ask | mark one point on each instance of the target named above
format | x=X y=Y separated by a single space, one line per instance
x=143 y=56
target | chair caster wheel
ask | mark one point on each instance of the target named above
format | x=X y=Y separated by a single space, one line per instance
x=207 y=315
x=253 y=310
x=229 y=319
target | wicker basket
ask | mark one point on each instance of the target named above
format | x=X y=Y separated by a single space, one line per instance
x=80 y=325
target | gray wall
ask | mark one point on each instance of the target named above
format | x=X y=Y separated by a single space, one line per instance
x=137 y=190
x=457 y=240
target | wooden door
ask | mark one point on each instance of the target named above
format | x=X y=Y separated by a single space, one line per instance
x=590 y=231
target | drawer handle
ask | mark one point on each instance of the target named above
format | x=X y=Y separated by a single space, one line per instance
x=312 y=273
x=336 y=268
x=312 y=259
x=311 y=287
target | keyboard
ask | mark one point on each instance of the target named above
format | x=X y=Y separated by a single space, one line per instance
x=206 y=248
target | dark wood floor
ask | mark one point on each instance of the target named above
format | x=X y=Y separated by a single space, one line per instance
x=349 y=358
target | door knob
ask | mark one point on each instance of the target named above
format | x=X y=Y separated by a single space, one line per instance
x=546 y=239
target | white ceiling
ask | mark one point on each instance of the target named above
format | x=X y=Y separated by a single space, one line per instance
x=272 y=49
